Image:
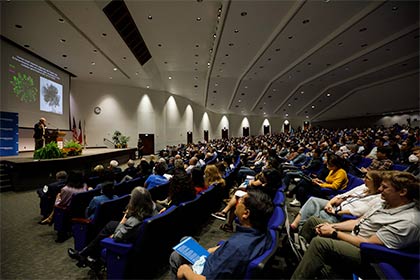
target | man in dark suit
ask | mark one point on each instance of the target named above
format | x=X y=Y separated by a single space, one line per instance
x=39 y=133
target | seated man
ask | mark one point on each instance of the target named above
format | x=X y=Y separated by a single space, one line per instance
x=394 y=224
x=230 y=259
x=157 y=179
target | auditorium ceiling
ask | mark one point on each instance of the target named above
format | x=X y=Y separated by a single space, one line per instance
x=314 y=60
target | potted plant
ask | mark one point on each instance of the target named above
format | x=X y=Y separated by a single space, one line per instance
x=120 y=140
x=50 y=150
x=72 y=148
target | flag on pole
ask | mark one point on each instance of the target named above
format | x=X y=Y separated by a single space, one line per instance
x=74 y=130
x=80 y=139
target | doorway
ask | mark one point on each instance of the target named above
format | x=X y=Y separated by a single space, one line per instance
x=245 y=131
x=225 y=133
x=266 y=129
x=148 y=143
x=189 y=137
x=206 y=135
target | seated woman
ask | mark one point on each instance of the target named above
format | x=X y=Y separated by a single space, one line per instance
x=336 y=180
x=180 y=189
x=354 y=202
x=212 y=176
x=140 y=207
x=268 y=181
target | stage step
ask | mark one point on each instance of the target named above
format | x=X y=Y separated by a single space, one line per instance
x=5 y=182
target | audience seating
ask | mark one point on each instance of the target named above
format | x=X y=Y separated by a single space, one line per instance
x=365 y=162
x=84 y=230
x=160 y=192
x=278 y=219
x=353 y=182
x=399 y=167
x=405 y=262
x=149 y=254
x=126 y=187
x=279 y=198
x=261 y=267
x=79 y=202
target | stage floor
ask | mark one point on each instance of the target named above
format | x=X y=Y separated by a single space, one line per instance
x=25 y=173
x=29 y=156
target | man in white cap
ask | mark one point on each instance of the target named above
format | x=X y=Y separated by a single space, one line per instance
x=39 y=133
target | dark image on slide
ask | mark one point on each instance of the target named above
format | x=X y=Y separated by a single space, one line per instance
x=51 y=99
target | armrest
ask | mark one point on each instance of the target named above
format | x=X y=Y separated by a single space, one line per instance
x=81 y=221
x=116 y=247
x=377 y=253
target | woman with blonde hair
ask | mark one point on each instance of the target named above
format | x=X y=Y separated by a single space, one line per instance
x=213 y=176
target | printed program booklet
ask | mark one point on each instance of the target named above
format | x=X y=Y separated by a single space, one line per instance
x=191 y=250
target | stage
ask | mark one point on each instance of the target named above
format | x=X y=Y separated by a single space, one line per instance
x=25 y=173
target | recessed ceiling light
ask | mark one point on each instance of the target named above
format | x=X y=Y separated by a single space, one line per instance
x=328 y=94
x=196 y=86
x=214 y=35
x=115 y=69
x=147 y=86
x=216 y=84
x=165 y=62
x=63 y=40
x=245 y=86
x=214 y=91
x=236 y=106
x=394 y=8
x=64 y=55
x=269 y=59
x=104 y=34
x=347 y=69
x=110 y=78
x=287 y=115
x=307 y=117
x=328 y=64
x=230 y=44
x=211 y=104
x=242 y=93
x=65 y=67
x=26 y=46
x=227 y=54
x=61 y=20
x=195 y=69
x=236 y=30
x=197 y=45
x=170 y=78
x=404 y=64
x=309 y=64
x=313 y=107
x=340 y=44
x=90 y=73
x=244 y=14
x=92 y=63
x=149 y=17
x=198 y=19
x=261 y=67
x=302 y=92
x=95 y=50
x=290 y=37
x=269 y=96
x=305 y=21
x=137 y=73
x=365 y=59
x=364 y=45
x=18 y=26
x=195 y=78
x=289 y=105
x=223 y=63
x=362 y=29
x=274 y=89
x=211 y=50
x=124 y=57
x=159 y=45
x=196 y=55
x=278 y=49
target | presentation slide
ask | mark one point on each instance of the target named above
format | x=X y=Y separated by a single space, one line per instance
x=33 y=88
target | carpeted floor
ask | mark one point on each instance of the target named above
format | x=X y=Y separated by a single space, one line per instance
x=28 y=250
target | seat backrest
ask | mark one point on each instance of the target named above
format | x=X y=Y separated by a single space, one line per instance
x=399 y=167
x=277 y=219
x=353 y=182
x=259 y=267
x=211 y=200
x=193 y=216
x=80 y=201
x=112 y=210
x=279 y=197
x=160 y=192
x=365 y=162
x=157 y=236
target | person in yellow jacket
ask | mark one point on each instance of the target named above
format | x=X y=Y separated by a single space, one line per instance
x=336 y=180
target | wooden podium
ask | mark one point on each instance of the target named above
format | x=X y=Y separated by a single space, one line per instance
x=55 y=135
